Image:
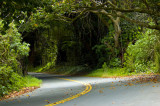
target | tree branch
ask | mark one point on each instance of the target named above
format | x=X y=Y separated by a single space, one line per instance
x=157 y=27
x=150 y=12
x=80 y=15
x=103 y=10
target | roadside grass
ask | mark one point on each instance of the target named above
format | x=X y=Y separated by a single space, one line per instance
x=64 y=70
x=108 y=72
x=32 y=81
x=24 y=85
x=88 y=72
x=70 y=70
x=114 y=72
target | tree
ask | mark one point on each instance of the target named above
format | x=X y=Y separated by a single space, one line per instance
x=143 y=13
x=121 y=9
x=12 y=48
x=17 y=10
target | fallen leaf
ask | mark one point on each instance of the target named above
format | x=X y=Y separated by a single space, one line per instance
x=130 y=84
x=112 y=87
x=47 y=101
x=100 y=91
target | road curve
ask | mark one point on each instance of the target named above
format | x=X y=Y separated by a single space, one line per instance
x=89 y=91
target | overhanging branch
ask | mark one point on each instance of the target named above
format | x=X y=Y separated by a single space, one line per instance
x=80 y=15
x=157 y=27
x=150 y=12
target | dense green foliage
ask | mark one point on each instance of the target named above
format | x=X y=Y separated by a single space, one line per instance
x=73 y=37
x=9 y=80
x=12 y=50
x=143 y=56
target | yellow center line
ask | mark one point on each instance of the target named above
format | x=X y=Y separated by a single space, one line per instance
x=88 y=89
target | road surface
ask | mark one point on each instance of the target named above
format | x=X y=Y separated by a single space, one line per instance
x=89 y=91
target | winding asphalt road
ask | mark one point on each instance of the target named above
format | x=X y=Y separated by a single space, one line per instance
x=89 y=91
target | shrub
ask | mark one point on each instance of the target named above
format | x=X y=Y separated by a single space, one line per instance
x=142 y=56
x=12 y=49
x=9 y=80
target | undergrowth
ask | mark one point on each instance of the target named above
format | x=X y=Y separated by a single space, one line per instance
x=11 y=81
x=86 y=71
x=109 y=72
x=32 y=81
x=64 y=70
